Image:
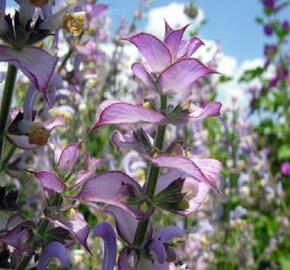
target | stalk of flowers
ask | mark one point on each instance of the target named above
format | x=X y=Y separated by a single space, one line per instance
x=59 y=224
x=276 y=85
x=186 y=180
x=22 y=35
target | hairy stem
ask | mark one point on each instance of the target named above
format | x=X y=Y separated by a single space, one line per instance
x=153 y=177
x=6 y=101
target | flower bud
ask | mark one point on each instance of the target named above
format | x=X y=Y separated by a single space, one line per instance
x=144 y=206
x=70 y=213
x=74 y=23
x=148 y=105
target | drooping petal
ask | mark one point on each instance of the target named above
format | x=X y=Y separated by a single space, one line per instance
x=107 y=233
x=108 y=188
x=158 y=248
x=50 y=181
x=140 y=72
x=168 y=233
x=35 y=63
x=198 y=113
x=51 y=251
x=126 y=225
x=179 y=77
x=69 y=157
x=211 y=168
x=77 y=226
x=173 y=41
x=125 y=113
x=203 y=170
x=196 y=193
x=188 y=47
x=156 y=54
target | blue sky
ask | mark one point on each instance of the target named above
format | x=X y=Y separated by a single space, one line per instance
x=232 y=22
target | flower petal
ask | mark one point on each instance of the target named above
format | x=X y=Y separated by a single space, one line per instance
x=50 y=181
x=53 y=250
x=126 y=225
x=18 y=237
x=168 y=233
x=78 y=227
x=106 y=188
x=195 y=191
x=198 y=114
x=37 y=64
x=173 y=41
x=140 y=72
x=158 y=248
x=179 y=77
x=189 y=47
x=155 y=53
x=124 y=113
x=203 y=170
x=106 y=231
x=69 y=157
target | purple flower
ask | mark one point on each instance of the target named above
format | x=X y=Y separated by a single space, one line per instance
x=285 y=169
x=27 y=130
x=286 y=25
x=268 y=30
x=51 y=251
x=35 y=63
x=66 y=162
x=203 y=170
x=156 y=253
x=106 y=232
x=115 y=188
x=117 y=112
x=168 y=61
x=269 y=4
x=17 y=233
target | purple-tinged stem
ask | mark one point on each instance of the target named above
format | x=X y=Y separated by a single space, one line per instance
x=153 y=177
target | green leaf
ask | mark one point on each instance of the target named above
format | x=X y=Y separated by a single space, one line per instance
x=284 y=152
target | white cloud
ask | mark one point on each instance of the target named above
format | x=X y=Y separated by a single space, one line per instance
x=173 y=14
x=226 y=64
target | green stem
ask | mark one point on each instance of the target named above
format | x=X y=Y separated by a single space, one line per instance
x=7 y=157
x=6 y=101
x=153 y=177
